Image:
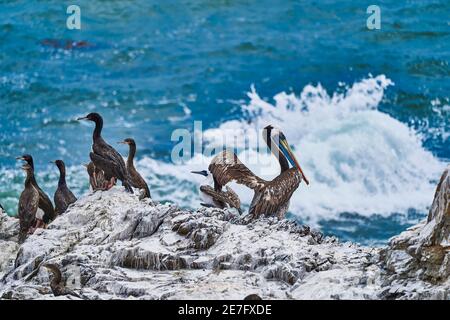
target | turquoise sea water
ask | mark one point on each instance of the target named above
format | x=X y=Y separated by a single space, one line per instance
x=373 y=137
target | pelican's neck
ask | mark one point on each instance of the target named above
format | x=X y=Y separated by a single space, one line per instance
x=98 y=128
x=284 y=164
x=131 y=155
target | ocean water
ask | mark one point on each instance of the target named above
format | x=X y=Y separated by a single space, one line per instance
x=366 y=111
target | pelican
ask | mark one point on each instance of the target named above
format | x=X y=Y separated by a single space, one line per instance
x=106 y=157
x=270 y=198
x=213 y=195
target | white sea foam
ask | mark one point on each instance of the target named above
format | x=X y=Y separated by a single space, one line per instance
x=357 y=158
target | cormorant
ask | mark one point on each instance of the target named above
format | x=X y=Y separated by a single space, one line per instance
x=63 y=196
x=104 y=156
x=97 y=178
x=57 y=283
x=271 y=197
x=28 y=205
x=44 y=201
x=136 y=179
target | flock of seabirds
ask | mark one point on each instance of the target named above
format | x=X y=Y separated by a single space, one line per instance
x=36 y=210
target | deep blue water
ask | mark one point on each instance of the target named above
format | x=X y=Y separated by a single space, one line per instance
x=150 y=67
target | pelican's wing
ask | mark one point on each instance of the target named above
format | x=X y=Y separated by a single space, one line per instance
x=229 y=197
x=226 y=167
x=234 y=200
x=278 y=192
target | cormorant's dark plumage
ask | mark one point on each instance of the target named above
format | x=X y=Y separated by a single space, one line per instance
x=57 y=283
x=104 y=156
x=63 y=196
x=28 y=205
x=44 y=201
x=136 y=179
x=97 y=178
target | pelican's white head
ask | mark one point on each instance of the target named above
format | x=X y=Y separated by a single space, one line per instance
x=275 y=138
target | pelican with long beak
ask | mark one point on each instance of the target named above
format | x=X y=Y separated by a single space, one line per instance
x=271 y=198
x=214 y=197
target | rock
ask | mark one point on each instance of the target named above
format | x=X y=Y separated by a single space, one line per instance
x=111 y=245
x=421 y=254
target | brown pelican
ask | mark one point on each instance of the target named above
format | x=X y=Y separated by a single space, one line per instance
x=104 y=156
x=271 y=197
x=63 y=196
x=45 y=203
x=213 y=195
x=57 y=283
x=136 y=179
x=28 y=205
x=97 y=178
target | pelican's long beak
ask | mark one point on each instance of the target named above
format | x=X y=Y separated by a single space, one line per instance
x=287 y=151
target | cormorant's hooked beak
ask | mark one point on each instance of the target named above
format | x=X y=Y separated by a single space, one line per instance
x=20 y=158
x=82 y=118
x=86 y=165
x=122 y=142
x=287 y=151
x=203 y=173
x=52 y=162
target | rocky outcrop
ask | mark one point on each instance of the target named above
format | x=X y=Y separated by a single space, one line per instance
x=111 y=245
x=421 y=255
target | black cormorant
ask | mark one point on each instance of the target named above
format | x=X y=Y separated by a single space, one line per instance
x=104 y=156
x=63 y=196
x=136 y=179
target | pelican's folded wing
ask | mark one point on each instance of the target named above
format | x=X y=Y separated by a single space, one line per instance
x=226 y=167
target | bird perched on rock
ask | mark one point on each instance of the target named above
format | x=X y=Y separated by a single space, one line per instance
x=213 y=195
x=136 y=179
x=45 y=204
x=97 y=178
x=105 y=157
x=63 y=196
x=28 y=205
x=270 y=197
x=57 y=283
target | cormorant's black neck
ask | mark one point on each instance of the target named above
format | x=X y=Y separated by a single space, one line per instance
x=62 y=176
x=98 y=128
x=131 y=155
x=30 y=180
